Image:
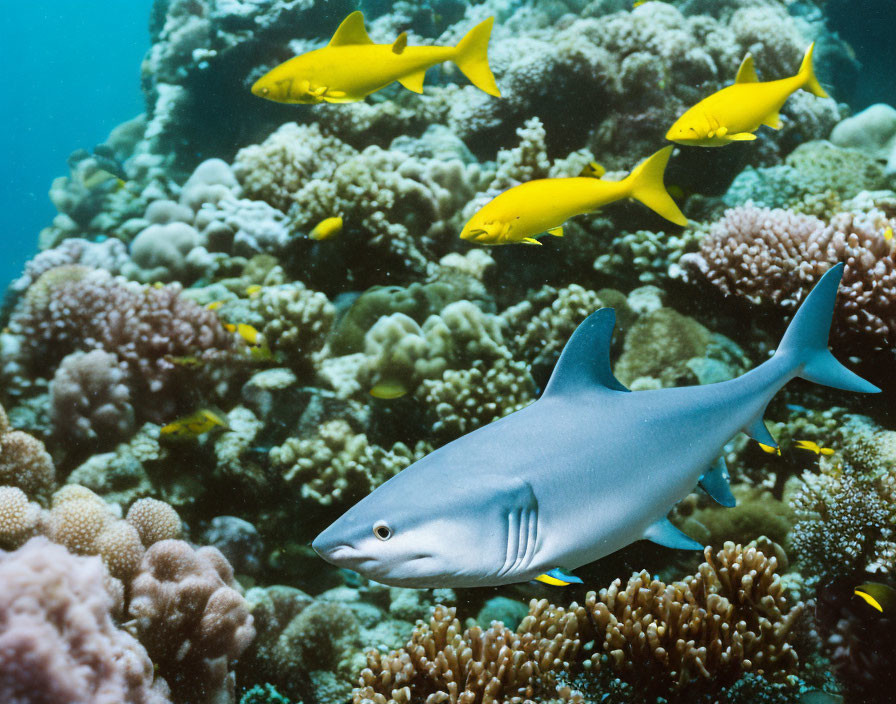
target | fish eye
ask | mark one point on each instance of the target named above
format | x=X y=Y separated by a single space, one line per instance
x=382 y=530
x=265 y=91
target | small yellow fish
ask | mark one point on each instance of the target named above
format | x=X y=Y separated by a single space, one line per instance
x=193 y=425
x=102 y=177
x=524 y=212
x=768 y=449
x=187 y=362
x=351 y=66
x=734 y=113
x=230 y=327
x=638 y=3
x=388 y=390
x=880 y=596
x=888 y=233
x=214 y=305
x=253 y=290
x=326 y=229
x=814 y=447
x=558 y=578
x=248 y=333
x=592 y=170
x=158 y=284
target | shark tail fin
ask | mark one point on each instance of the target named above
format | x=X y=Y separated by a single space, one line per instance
x=806 y=339
x=807 y=73
x=646 y=185
x=472 y=57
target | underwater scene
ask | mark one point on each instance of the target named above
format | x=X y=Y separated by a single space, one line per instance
x=454 y=352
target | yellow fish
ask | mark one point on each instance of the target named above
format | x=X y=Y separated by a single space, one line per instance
x=888 y=234
x=880 y=596
x=187 y=362
x=351 y=66
x=814 y=447
x=558 y=578
x=253 y=290
x=768 y=449
x=245 y=331
x=326 y=229
x=734 y=113
x=214 y=305
x=388 y=390
x=193 y=425
x=525 y=211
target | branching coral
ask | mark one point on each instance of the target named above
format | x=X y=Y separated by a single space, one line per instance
x=58 y=642
x=193 y=622
x=148 y=328
x=775 y=256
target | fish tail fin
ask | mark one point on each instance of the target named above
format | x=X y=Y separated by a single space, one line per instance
x=646 y=185
x=806 y=339
x=472 y=57
x=807 y=73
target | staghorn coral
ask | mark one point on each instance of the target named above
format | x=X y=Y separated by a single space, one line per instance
x=146 y=327
x=90 y=398
x=443 y=663
x=192 y=621
x=58 y=642
x=775 y=256
x=338 y=465
x=731 y=617
x=24 y=461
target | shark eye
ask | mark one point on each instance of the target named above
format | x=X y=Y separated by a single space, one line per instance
x=382 y=530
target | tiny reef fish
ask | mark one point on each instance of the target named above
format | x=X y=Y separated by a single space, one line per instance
x=888 y=233
x=769 y=449
x=520 y=214
x=734 y=113
x=253 y=290
x=214 y=305
x=351 y=66
x=585 y=470
x=326 y=229
x=193 y=425
x=389 y=390
x=246 y=332
x=814 y=447
x=881 y=596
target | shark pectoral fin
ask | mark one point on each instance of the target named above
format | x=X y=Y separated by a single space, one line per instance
x=741 y=137
x=747 y=71
x=715 y=483
x=585 y=361
x=351 y=31
x=530 y=240
x=558 y=578
x=413 y=81
x=664 y=533
x=556 y=231
x=773 y=121
x=757 y=430
x=401 y=43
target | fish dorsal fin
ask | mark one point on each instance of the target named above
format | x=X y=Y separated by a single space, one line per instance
x=584 y=363
x=747 y=71
x=351 y=31
x=400 y=44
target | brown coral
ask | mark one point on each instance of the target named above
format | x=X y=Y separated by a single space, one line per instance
x=190 y=618
x=24 y=461
x=154 y=520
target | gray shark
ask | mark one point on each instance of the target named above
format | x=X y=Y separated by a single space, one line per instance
x=587 y=469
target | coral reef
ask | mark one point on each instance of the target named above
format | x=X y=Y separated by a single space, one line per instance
x=58 y=641
x=24 y=461
x=191 y=619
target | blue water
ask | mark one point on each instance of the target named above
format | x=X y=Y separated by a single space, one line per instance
x=71 y=73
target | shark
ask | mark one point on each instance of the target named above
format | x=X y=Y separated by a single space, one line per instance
x=585 y=470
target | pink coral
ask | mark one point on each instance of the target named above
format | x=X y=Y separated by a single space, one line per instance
x=192 y=620
x=776 y=256
x=58 y=642
x=146 y=327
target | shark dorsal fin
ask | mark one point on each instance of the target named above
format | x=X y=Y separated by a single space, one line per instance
x=351 y=31
x=585 y=361
x=747 y=71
